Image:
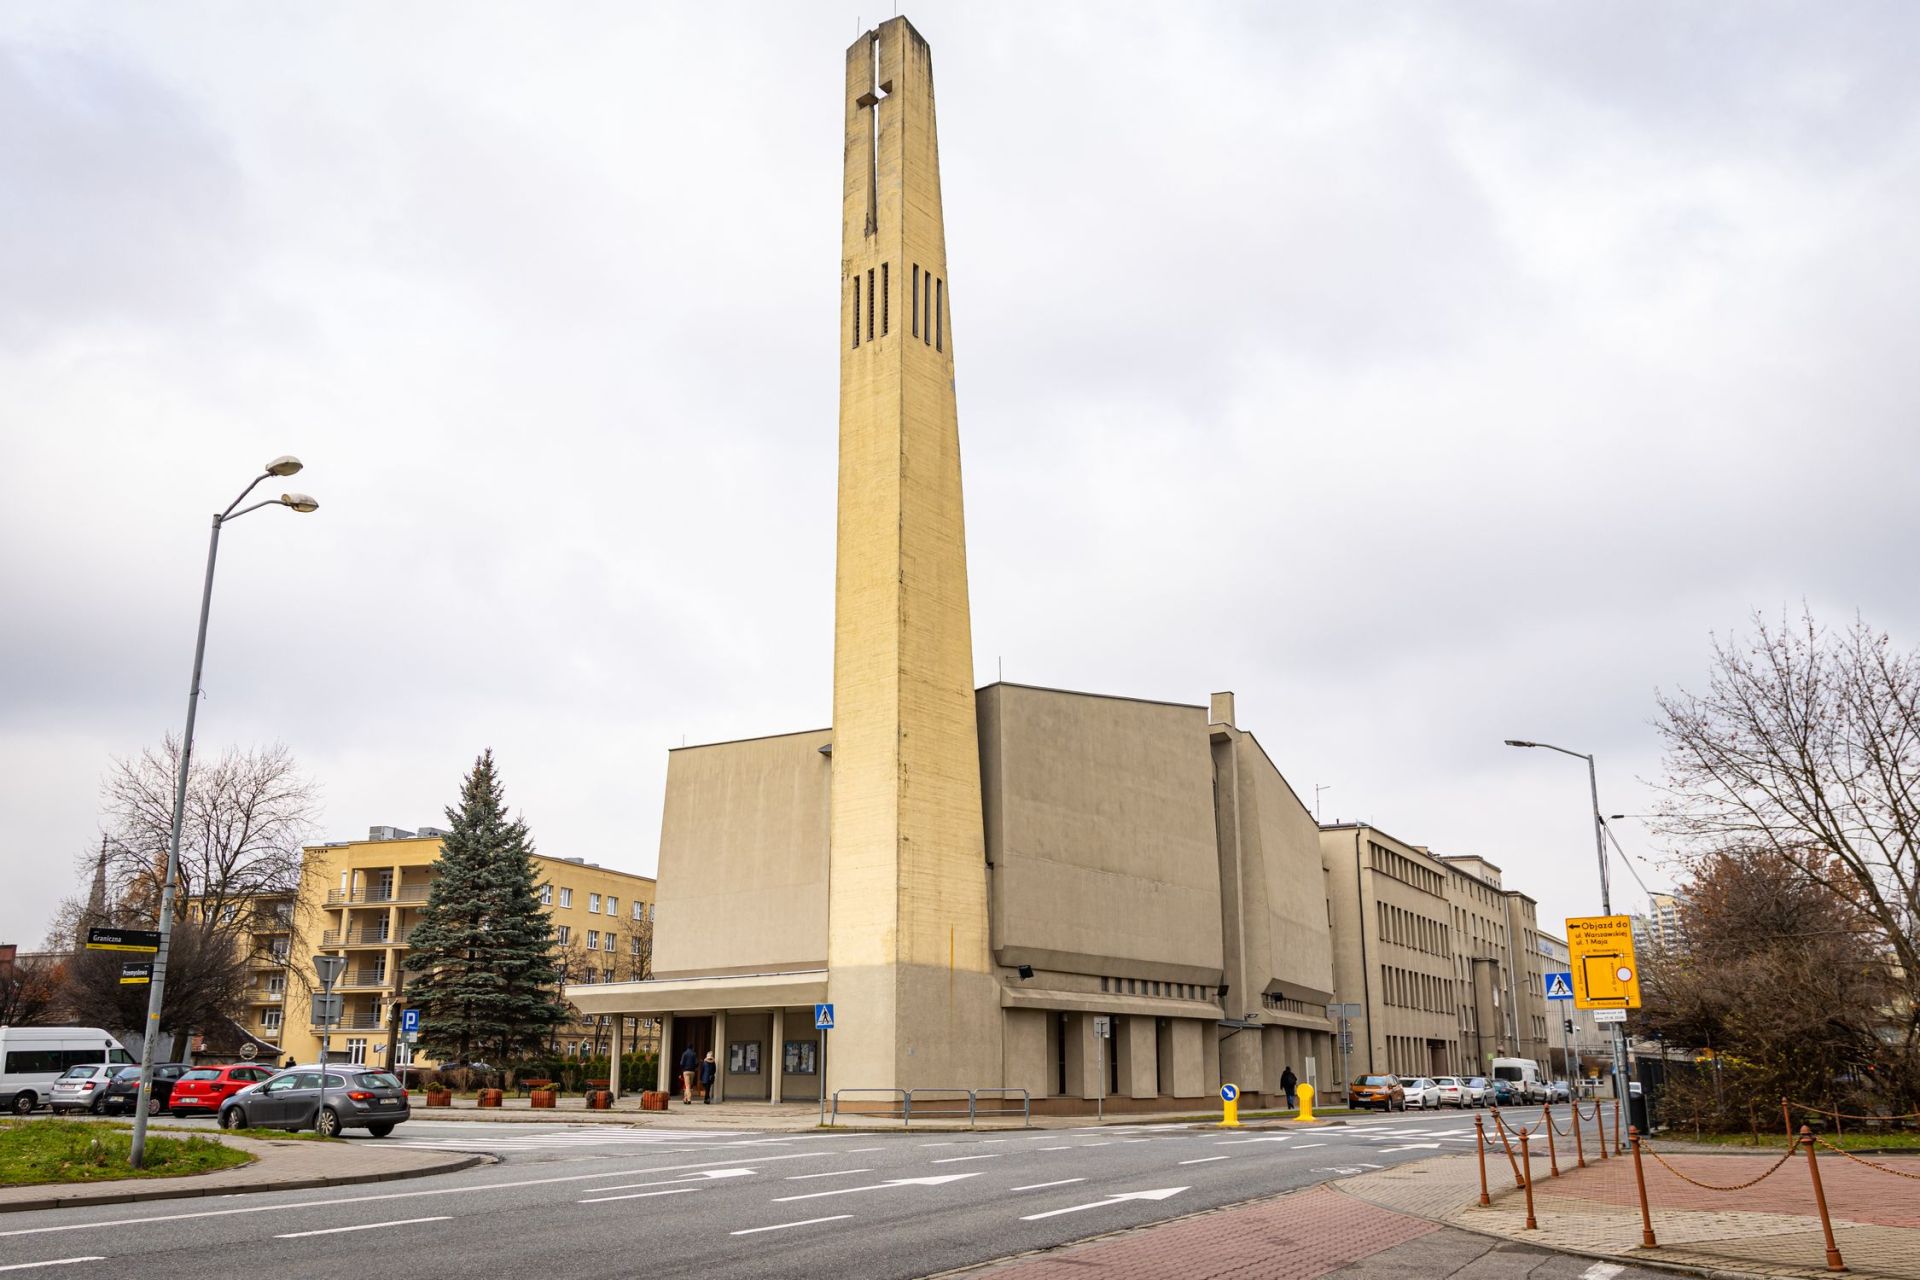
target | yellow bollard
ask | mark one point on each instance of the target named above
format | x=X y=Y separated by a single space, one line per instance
x=1230 y=1106
x=1304 y=1092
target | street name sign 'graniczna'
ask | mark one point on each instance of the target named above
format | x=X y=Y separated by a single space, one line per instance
x=1605 y=973
x=147 y=940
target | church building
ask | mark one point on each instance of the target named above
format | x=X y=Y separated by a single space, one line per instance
x=1081 y=896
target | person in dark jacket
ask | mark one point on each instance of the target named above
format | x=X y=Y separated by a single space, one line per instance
x=707 y=1071
x=1288 y=1081
x=689 y=1065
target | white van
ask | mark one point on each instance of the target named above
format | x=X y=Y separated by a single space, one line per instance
x=32 y=1058
x=1524 y=1075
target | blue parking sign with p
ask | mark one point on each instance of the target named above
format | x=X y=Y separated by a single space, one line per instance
x=410 y=1020
x=823 y=1017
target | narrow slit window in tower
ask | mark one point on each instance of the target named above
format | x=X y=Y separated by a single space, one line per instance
x=939 y=315
x=886 y=300
x=926 y=311
x=869 y=304
x=856 y=309
x=915 y=312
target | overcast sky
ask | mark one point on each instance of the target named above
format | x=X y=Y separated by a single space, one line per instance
x=1427 y=375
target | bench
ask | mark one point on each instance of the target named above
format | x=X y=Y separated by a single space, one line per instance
x=526 y=1087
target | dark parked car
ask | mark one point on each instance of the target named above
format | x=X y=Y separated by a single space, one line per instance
x=123 y=1094
x=342 y=1096
x=205 y=1088
x=1505 y=1093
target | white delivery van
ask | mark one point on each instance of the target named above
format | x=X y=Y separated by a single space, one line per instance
x=1524 y=1075
x=32 y=1058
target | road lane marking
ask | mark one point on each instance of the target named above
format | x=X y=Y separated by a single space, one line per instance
x=361 y=1226
x=1307 y=1146
x=991 y=1155
x=1206 y=1160
x=1602 y=1271
x=51 y=1262
x=782 y=1226
x=857 y=1150
x=937 y=1180
x=833 y=1173
x=639 y=1195
x=939 y=1144
x=1136 y=1139
x=1035 y=1186
x=987 y=1142
x=1160 y=1193
x=396 y=1195
x=707 y=1174
x=1095 y=1144
x=1066 y=1148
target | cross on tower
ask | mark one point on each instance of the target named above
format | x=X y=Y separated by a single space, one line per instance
x=871 y=100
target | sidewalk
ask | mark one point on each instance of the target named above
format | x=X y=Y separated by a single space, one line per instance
x=286 y=1165
x=1767 y=1229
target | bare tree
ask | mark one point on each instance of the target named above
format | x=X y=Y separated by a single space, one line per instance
x=29 y=987
x=248 y=814
x=1805 y=747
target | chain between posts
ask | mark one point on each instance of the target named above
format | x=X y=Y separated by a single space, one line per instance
x=1898 y=1173
x=1708 y=1186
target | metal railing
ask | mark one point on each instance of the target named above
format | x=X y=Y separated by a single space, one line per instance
x=366 y=936
x=376 y=897
x=941 y=1103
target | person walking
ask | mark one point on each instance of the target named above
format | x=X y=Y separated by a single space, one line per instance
x=689 y=1063
x=707 y=1072
x=1288 y=1083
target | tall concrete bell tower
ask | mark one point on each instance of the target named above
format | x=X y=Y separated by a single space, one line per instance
x=909 y=967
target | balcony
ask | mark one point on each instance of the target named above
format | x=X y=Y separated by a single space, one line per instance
x=357 y=1022
x=364 y=980
x=366 y=936
x=376 y=896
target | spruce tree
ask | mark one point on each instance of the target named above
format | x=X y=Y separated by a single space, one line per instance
x=484 y=944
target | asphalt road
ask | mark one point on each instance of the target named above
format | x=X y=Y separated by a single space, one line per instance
x=597 y=1201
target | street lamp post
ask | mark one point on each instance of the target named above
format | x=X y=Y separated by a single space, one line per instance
x=282 y=466
x=1619 y=1036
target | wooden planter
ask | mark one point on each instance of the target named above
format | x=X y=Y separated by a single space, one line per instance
x=653 y=1100
x=600 y=1100
x=490 y=1097
x=439 y=1098
x=543 y=1098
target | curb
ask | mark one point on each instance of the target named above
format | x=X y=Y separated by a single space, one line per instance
x=136 y=1194
x=1625 y=1259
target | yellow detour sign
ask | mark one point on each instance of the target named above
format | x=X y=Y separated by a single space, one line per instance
x=1605 y=974
x=1304 y=1092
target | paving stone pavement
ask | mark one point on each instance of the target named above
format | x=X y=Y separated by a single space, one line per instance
x=1768 y=1229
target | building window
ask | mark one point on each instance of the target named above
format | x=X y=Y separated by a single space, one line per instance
x=939 y=315
x=276 y=983
x=546 y=895
x=357 y=1049
x=915 y=312
x=270 y=1019
x=856 y=309
x=593 y=939
x=869 y=304
x=639 y=911
x=566 y=897
x=565 y=935
x=636 y=946
x=606 y=975
x=593 y=903
x=613 y=905
x=886 y=306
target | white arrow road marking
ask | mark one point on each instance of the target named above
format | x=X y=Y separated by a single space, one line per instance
x=782 y=1226
x=364 y=1226
x=52 y=1262
x=1161 y=1193
x=1206 y=1160
x=1035 y=1186
x=935 y=1181
x=702 y=1176
x=1349 y=1170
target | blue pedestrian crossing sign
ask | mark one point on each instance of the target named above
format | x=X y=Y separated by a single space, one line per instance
x=1560 y=986
x=823 y=1017
x=1229 y=1092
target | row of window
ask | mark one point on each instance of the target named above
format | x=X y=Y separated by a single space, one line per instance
x=1411 y=1056
x=1411 y=929
x=927 y=305
x=595 y=903
x=1406 y=870
x=1145 y=987
x=1409 y=989
x=563 y=934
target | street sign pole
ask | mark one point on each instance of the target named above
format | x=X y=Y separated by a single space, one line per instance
x=327 y=969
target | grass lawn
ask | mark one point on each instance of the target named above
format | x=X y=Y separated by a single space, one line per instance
x=41 y=1151
x=1852 y=1140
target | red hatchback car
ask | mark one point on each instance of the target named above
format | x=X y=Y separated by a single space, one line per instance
x=205 y=1088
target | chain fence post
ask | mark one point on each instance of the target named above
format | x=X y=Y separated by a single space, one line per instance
x=1526 y=1158
x=1553 y=1154
x=1786 y=1120
x=1619 y=1131
x=1600 y=1123
x=1480 y=1147
x=1834 y=1261
x=1579 y=1147
x=1647 y=1240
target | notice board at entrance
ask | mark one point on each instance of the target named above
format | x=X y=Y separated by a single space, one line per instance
x=1605 y=973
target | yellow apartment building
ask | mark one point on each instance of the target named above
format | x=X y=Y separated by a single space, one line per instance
x=362 y=899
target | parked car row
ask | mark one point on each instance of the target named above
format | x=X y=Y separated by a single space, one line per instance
x=1430 y=1093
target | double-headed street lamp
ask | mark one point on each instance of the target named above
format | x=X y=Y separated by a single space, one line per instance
x=1606 y=892
x=156 y=993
